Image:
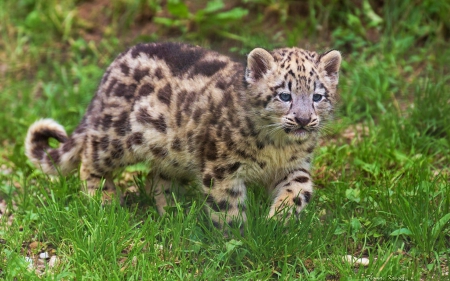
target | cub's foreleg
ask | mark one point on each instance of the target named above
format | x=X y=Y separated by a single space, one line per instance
x=293 y=193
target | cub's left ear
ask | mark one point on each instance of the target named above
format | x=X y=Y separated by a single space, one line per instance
x=330 y=62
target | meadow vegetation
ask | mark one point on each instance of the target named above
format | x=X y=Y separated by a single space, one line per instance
x=382 y=171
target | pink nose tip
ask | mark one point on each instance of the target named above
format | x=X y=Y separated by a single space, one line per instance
x=302 y=121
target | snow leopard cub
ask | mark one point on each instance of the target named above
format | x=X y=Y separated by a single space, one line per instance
x=196 y=115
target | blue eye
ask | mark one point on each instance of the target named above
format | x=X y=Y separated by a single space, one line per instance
x=317 y=97
x=285 y=97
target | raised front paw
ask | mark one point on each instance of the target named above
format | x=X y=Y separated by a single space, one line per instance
x=292 y=194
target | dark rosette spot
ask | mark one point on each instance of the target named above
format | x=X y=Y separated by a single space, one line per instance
x=122 y=125
x=125 y=91
x=68 y=145
x=165 y=94
x=117 y=149
x=207 y=68
x=301 y=179
x=307 y=196
x=106 y=122
x=176 y=144
x=208 y=181
x=125 y=68
x=159 y=152
x=53 y=157
x=297 y=201
x=144 y=117
x=178 y=57
x=104 y=143
x=140 y=73
x=233 y=193
x=135 y=139
x=146 y=90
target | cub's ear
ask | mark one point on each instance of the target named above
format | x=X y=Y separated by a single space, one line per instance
x=259 y=63
x=329 y=64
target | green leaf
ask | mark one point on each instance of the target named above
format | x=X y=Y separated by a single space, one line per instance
x=213 y=6
x=356 y=225
x=339 y=231
x=355 y=22
x=400 y=156
x=233 y=14
x=353 y=195
x=232 y=244
x=178 y=9
x=439 y=225
x=378 y=221
x=401 y=231
x=371 y=168
x=34 y=18
x=165 y=21
x=375 y=20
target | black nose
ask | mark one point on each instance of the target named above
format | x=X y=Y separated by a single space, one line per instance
x=302 y=121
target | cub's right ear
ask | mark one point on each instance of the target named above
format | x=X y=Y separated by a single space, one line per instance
x=259 y=63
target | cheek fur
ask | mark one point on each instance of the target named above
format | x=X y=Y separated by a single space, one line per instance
x=323 y=108
x=279 y=107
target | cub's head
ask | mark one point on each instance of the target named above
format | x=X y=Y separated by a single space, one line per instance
x=293 y=90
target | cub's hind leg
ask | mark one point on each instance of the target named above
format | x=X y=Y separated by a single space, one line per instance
x=93 y=181
x=160 y=186
x=225 y=198
x=97 y=168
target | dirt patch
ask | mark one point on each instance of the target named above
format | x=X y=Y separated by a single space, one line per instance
x=100 y=18
x=93 y=19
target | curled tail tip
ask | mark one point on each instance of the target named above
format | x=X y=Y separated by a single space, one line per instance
x=36 y=142
x=41 y=130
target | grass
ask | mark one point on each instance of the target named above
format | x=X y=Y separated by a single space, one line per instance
x=382 y=173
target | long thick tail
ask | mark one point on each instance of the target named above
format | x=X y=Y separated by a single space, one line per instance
x=64 y=159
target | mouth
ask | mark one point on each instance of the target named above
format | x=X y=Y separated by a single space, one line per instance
x=298 y=132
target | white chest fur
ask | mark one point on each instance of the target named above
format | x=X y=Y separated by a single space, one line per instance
x=275 y=162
